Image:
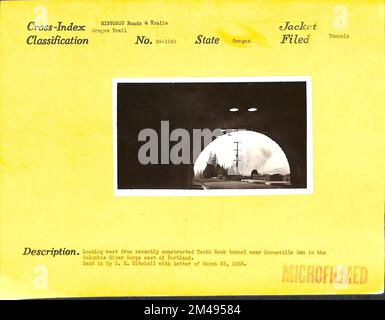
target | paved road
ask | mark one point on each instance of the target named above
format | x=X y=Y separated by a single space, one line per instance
x=236 y=185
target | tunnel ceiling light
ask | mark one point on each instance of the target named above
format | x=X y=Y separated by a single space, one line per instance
x=253 y=109
x=233 y=109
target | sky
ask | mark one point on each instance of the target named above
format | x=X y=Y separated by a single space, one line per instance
x=257 y=151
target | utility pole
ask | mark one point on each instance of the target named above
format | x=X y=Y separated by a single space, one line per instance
x=237 y=156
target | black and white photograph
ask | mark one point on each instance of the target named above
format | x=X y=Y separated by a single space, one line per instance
x=197 y=136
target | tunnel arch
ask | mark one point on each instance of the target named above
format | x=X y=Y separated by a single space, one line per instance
x=258 y=152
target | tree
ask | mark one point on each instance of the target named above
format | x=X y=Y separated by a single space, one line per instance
x=209 y=171
x=214 y=160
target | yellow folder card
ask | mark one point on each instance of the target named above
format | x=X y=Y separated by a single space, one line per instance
x=191 y=148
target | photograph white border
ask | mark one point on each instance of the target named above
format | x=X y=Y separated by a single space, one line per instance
x=216 y=192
